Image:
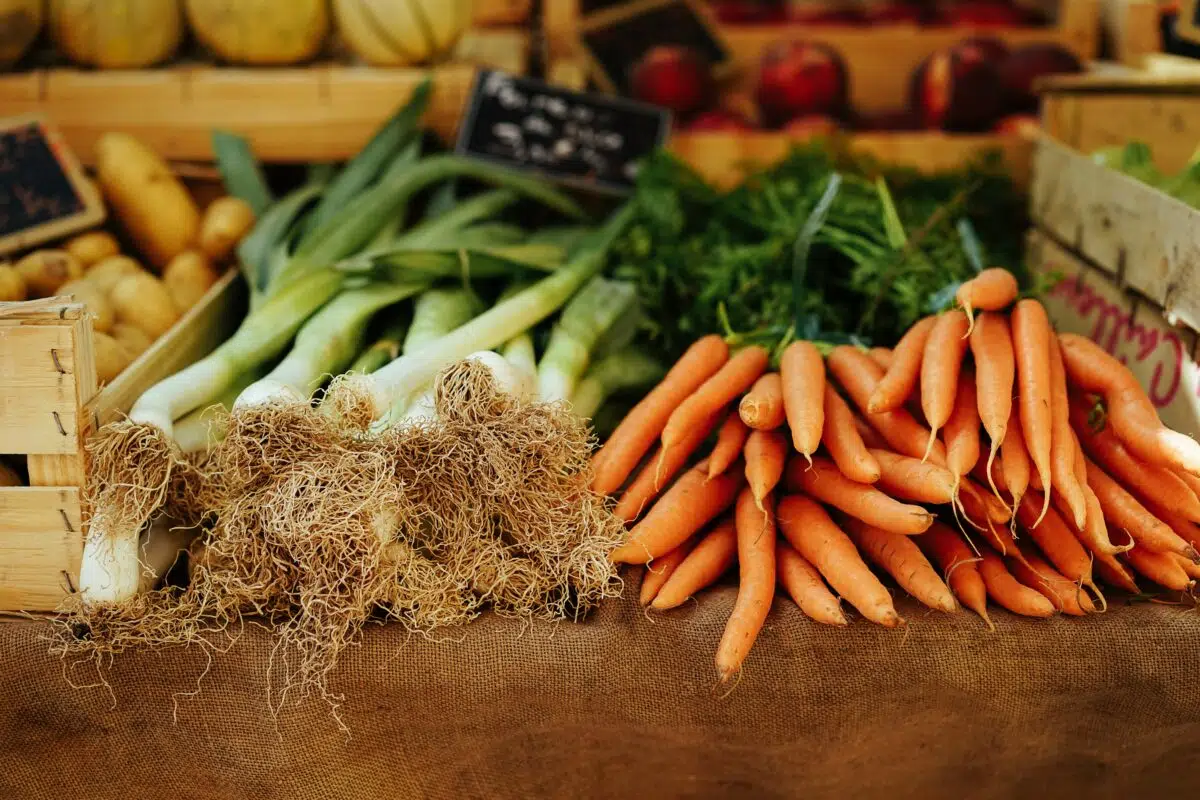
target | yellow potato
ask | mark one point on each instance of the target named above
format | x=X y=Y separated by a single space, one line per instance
x=96 y=301
x=225 y=222
x=45 y=271
x=112 y=269
x=92 y=247
x=12 y=285
x=143 y=301
x=135 y=340
x=111 y=357
x=188 y=277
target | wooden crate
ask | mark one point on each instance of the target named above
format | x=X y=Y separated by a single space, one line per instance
x=323 y=112
x=50 y=404
x=879 y=59
x=495 y=13
x=1132 y=29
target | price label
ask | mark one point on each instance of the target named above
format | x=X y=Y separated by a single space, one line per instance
x=43 y=192
x=589 y=141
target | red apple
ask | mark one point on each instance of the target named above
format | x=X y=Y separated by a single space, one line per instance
x=981 y=14
x=811 y=126
x=673 y=77
x=718 y=121
x=956 y=90
x=1025 y=65
x=991 y=48
x=825 y=15
x=748 y=12
x=798 y=79
x=1026 y=125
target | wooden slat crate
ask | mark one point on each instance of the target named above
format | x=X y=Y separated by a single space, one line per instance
x=495 y=13
x=50 y=404
x=1132 y=29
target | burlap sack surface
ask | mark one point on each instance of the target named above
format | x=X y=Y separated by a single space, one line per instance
x=621 y=707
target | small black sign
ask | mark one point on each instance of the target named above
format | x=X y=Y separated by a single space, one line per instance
x=590 y=141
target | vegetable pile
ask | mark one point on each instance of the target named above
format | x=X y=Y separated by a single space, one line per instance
x=1135 y=160
x=874 y=457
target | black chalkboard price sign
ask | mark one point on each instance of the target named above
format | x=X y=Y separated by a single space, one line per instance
x=43 y=192
x=588 y=141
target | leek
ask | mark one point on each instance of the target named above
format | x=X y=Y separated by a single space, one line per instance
x=436 y=313
x=590 y=314
x=240 y=171
x=621 y=371
x=199 y=430
x=519 y=350
x=386 y=348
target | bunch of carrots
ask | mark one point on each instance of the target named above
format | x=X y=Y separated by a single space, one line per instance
x=981 y=424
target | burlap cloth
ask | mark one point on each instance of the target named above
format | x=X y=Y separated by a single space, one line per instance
x=1104 y=707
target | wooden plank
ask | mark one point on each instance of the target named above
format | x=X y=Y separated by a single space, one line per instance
x=1133 y=231
x=41 y=543
x=38 y=397
x=1089 y=302
x=70 y=469
x=492 y=13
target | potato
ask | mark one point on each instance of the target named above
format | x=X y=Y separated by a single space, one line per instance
x=188 y=277
x=134 y=340
x=108 y=272
x=45 y=271
x=225 y=222
x=96 y=301
x=150 y=202
x=143 y=301
x=92 y=247
x=12 y=285
x=111 y=357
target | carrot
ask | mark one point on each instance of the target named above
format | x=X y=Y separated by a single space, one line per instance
x=1031 y=346
x=688 y=506
x=940 y=367
x=1130 y=411
x=1056 y=540
x=996 y=478
x=806 y=586
x=881 y=356
x=658 y=572
x=1035 y=573
x=1009 y=592
x=1147 y=481
x=766 y=453
x=991 y=507
x=1191 y=480
x=995 y=370
x=803 y=372
x=979 y=513
x=910 y=478
x=1113 y=572
x=1183 y=527
x=731 y=437
x=962 y=430
x=843 y=439
x=762 y=407
x=1062 y=440
x=1192 y=570
x=809 y=529
x=642 y=425
x=859 y=376
x=823 y=481
x=870 y=437
x=1015 y=458
x=1124 y=511
x=658 y=471
x=959 y=565
x=900 y=379
x=702 y=567
x=756 y=582
x=990 y=290
x=737 y=375
x=1161 y=568
x=900 y=557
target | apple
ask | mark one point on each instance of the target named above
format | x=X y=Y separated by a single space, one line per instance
x=1025 y=65
x=798 y=79
x=957 y=89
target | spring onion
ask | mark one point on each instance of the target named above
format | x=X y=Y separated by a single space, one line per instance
x=386 y=348
x=589 y=315
x=623 y=370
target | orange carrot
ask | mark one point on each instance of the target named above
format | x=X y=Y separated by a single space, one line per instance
x=688 y=506
x=1124 y=511
x=940 y=367
x=962 y=430
x=1035 y=573
x=806 y=587
x=859 y=376
x=980 y=473
x=641 y=427
x=900 y=557
x=730 y=439
x=870 y=437
x=1015 y=458
x=959 y=565
x=762 y=407
x=1062 y=440
x=881 y=356
x=1113 y=572
x=659 y=470
x=1162 y=568
x=756 y=583
x=766 y=453
x=1094 y=533
x=990 y=290
x=660 y=570
x=1031 y=346
x=824 y=545
x=803 y=372
x=704 y=565
x=910 y=478
x=978 y=512
x=1183 y=527
x=1192 y=570
x=1130 y=411
x=1191 y=480
x=1056 y=540
x=992 y=507
x=823 y=481
x=737 y=375
x=1009 y=592
x=995 y=370
x=900 y=379
x=844 y=441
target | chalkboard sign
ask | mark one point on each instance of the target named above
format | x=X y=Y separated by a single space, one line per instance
x=43 y=193
x=588 y=141
x=615 y=40
x=1187 y=24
